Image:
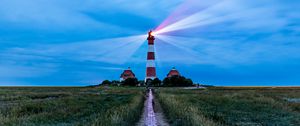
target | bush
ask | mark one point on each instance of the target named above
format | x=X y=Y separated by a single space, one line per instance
x=156 y=82
x=142 y=83
x=189 y=82
x=106 y=82
x=130 y=82
x=177 y=81
x=115 y=83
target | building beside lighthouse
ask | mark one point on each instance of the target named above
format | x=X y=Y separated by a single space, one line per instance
x=173 y=72
x=150 y=66
x=127 y=74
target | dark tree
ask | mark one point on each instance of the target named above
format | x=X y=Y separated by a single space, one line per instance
x=115 y=82
x=177 y=81
x=106 y=82
x=142 y=83
x=189 y=82
x=156 y=82
x=148 y=82
x=130 y=82
x=167 y=82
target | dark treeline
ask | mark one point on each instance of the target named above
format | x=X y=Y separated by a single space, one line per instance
x=174 y=81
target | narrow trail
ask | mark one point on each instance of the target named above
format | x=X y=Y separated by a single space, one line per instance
x=152 y=116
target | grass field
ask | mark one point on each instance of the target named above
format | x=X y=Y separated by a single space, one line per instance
x=70 y=106
x=231 y=106
x=123 y=106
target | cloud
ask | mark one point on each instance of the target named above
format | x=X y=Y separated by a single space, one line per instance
x=41 y=13
x=8 y=71
x=57 y=14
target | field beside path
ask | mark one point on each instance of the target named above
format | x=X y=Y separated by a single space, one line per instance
x=241 y=106
x=113 y=106
x=70 y=106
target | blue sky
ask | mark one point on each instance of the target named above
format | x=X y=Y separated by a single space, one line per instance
x=221 y=42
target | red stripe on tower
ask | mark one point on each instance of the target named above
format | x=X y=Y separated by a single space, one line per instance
x=150 y=70
x=150 y=56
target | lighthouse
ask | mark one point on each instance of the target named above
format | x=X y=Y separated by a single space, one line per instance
x=150 y=67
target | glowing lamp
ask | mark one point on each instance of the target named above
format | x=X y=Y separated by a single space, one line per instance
x=151 y=33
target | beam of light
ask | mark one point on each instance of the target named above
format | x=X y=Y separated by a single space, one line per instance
x=212 y=15
x=123 y=54
x=189 y=50
x=196 y=17
x=173 y=41
x=186 y=42
x=114 y=50
x=174 y=52
x=188 y=7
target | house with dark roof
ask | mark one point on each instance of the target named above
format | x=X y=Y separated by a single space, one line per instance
x=127 y=74
x=173 y=72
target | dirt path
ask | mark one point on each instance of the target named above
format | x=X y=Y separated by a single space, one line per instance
x=152 y=115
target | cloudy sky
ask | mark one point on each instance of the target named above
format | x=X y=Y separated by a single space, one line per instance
x=220 y=42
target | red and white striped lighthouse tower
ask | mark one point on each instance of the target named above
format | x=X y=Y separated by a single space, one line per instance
x=150 y=70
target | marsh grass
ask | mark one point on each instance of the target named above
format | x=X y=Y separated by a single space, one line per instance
x=70 y=106
x=230 y=106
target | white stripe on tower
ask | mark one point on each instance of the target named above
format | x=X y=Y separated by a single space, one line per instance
x=150 y=63
x=150 y=48
x=150 y=70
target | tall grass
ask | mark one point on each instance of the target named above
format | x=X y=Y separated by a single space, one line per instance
x=181 y=113
x=124 y=115
x=70 y=106
x=227 y=106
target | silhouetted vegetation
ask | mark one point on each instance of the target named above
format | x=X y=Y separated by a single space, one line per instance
x=130 y=82
x=106 y=82
x=142 y=82
x=177 y=81
x=115 y=83
x=155 y=82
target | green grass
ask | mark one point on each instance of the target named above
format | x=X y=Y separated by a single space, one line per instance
x=70 y=106
x=230 y=106
x=123 y=106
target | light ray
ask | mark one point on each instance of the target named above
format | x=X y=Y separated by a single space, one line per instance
x=123 y=54
x=171 y=51
x=189 y=50
x=172 y=54
x=171 y=40
x=212 y=15
x=204 y=14
x=114 y=50
x=188 y=42
x=188 y=7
